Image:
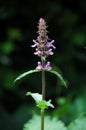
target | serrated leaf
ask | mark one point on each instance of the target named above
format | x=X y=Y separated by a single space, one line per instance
x=50 y=124
x=59 y=76
x=25 y=74
x=78 y=124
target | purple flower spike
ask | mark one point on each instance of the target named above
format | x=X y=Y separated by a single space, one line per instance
x=47 y=66
x=39 y=67
x=36 y=43
x=43 y=47
x=49 y=44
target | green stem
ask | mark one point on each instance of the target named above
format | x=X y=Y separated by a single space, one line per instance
x=43 y=94
x=42 y=119
x=43 y=85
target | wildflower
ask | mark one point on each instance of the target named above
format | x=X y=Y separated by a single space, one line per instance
x=43 y=45
x=49 y=44
x=46 y=67
x=36 y=44
x=39 y=67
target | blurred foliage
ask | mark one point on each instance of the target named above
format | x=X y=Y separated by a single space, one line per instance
x=54 y=124
x=79 y=123
x=51 y=124
x=67 y=25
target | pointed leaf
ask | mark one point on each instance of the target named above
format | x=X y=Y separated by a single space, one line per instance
x=25 y=74
x=34 y=71
x=49 y=104
x=59 y=76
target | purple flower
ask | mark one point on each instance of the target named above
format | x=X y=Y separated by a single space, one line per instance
x=43 y=50
x=38 y=52
x=36 y=43
x=42 y=46
x=49 y=44
x=39 y=67
x=46 y=67
x=50 y=52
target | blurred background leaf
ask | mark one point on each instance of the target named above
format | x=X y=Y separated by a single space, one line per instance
x=50 y=124
x=79 y=123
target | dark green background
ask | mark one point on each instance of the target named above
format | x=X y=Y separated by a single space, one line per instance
x=18 y=26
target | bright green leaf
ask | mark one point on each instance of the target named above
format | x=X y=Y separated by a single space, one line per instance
x=38 y=99
x=44 y=104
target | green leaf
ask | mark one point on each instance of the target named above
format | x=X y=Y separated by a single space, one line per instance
x=50 y=124
x=36 y=96
x=78 y=124
x=50 y=104
x=44 y=104
x=59 y=76
x=25 y=74
x=34 y=71
x=39 y=102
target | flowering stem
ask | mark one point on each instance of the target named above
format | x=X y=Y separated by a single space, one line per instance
x=43 y=94
x=43 y=50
